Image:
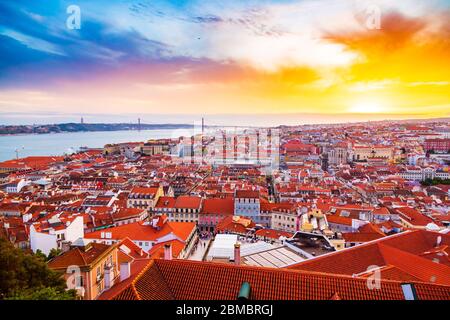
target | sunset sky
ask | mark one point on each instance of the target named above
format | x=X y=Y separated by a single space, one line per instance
x=206 y=57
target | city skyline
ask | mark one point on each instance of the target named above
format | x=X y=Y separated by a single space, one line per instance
x=247 y=57
x=238 y=157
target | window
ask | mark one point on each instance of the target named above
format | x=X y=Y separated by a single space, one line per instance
x=99 y=287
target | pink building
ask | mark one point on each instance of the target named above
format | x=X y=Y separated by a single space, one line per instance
x=213 y=211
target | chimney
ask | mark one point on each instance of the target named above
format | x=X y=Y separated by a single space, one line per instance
x=168 y=251
x=237 y=253
x=125 y=270
x=109 y=277
x=438 y=241
x=65 y=246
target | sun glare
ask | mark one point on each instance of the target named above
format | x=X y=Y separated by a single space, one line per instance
x=367 y=107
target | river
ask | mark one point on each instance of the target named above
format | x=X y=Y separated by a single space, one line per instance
x=60 y=143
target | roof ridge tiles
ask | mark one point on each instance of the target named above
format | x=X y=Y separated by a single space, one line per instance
x=170 y=280
x=366 y=244
x=278 y=270
x=398 y=258
x=133 y=283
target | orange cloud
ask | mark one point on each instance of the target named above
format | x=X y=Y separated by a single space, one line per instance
x=405 y=48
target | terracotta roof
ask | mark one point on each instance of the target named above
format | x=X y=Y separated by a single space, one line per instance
x=218 y=206
x=136 y=268
x=143 y=190
x=267 y=206
x=157 y=251
x=402 y=251
x=247 y=194
x=273 y=234
x=131 y=249
x=360 y=236
x=166 y=202
x=140 y=231
x=126 y=213
x=413 y=216
x=188 y=202
x=336 y=219
x=234 y=224
x=439 y=254
x=193 y=280
x=79 y=257
x=367 y=232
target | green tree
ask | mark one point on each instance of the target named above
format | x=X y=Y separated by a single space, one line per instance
x=27 y=276
x=433 y=182
x=40 y=255
x=44 y=293
x=53 y=253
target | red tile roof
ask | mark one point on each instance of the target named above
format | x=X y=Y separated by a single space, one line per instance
x=413 y=216
x=166 y=202
x=131 y=249
x=144 y=232
x=402 y=251
x=80 y=257
x=157 y=251
x=367 y=232
x=358 y=237
x=336 y=219
x=273 y=234
x=193 y=280
x=143 y=190
x=127 y=213
x=188 y=202
x=218 y=206
x=234 y=224
x=247 y=194
x=136 y=268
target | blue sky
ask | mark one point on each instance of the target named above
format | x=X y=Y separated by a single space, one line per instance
x=34 y=31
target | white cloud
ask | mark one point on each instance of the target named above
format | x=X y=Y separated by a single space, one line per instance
x=33 y=43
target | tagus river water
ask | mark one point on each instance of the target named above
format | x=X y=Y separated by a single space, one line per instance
x=60 y=143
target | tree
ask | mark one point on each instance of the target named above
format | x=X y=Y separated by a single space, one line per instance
x=44 y=293
x=40 y=255
x=53 y=253
x=27 y=276
x=433 y=182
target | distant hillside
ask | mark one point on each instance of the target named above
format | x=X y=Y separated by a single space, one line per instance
x=86 y=127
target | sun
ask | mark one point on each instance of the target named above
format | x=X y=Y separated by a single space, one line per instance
x=366 y=107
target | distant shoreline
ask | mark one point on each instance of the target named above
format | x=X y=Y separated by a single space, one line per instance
x=16 y=130
x=69 y=142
